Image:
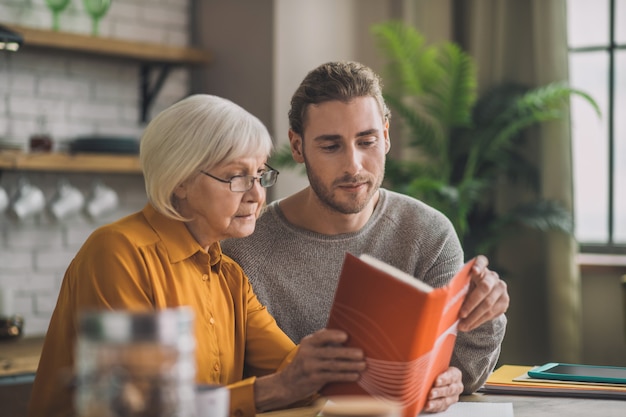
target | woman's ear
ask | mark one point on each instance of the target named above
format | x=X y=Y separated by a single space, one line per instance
x=180 y=192
x=295 y=142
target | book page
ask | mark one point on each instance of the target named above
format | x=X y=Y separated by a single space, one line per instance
x=395 y=272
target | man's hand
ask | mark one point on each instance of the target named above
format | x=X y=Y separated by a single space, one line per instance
x=445 y=391
x=321 y=358
x=487 y=298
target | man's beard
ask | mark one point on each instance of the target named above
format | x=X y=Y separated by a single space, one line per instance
x=355 y=204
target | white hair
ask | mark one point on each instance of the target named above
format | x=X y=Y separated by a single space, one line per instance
x=197 y=133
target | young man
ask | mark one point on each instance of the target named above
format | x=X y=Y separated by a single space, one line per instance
x=339 y=129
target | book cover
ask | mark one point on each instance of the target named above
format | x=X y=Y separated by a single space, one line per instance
x=514 y=379
x=406 y=329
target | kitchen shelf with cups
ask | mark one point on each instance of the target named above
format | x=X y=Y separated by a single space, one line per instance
x=69 y=162
x=151 y=56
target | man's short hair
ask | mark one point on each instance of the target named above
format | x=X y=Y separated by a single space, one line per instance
x=341 y=81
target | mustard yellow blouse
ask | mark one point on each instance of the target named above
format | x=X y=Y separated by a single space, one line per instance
x=148 y=261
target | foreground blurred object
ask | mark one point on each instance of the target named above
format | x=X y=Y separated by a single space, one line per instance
x=212 y=400
x=360 y=406
x=139 y=364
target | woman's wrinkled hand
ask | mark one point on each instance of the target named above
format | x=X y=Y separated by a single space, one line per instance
x=321 y=358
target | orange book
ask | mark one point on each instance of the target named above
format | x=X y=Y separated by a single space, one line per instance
x=406 y=329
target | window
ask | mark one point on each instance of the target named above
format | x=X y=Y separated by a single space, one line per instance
x=597 y=60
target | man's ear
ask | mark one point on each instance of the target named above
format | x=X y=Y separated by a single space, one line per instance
x=295 y=142
x=387 y=137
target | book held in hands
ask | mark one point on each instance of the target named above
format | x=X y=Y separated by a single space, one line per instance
x=405 y=327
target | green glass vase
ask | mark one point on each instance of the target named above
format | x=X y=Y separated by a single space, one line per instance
x=96 y=9
x=56 y=6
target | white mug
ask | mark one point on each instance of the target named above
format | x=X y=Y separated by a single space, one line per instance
x=28 y=201
x=67 y=201
x=212 y=401
x=102 y=201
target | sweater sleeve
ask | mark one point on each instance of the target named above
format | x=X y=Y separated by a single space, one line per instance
x=476 y=352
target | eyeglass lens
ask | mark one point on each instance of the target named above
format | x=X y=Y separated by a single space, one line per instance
x=244 y=183
x=268 y=178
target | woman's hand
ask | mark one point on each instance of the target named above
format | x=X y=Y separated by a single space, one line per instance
x=321 y=358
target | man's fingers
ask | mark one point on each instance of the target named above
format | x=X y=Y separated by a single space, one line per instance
x=480 y=263
x=487 y=299
x=483 y=313
x=482 y=285
x=446 y=391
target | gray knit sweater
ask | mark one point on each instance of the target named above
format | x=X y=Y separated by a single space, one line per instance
x=294 y=271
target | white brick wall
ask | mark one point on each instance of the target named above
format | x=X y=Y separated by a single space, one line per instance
x=76 y=95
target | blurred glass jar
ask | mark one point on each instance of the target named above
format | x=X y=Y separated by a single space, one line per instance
x=41 y=141
x=136 y=364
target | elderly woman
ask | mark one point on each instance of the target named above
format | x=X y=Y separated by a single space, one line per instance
x=204 y=164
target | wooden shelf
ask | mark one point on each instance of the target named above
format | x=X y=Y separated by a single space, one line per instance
x=153 y=57
x=140 y=51
x=64 y=162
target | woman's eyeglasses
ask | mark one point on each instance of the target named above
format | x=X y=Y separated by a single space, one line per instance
x=243 y=183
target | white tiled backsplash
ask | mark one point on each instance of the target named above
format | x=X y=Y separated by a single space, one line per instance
x=74 y=94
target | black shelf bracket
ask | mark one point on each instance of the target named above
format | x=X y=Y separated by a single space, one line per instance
x=148 y=91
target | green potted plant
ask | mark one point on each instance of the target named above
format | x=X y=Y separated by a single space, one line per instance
x=464 y=144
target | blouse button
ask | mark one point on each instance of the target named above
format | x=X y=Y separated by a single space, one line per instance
x=205 y=277
x=212 y=320
x=216 y=367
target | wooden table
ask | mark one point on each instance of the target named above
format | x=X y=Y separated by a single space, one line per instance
x=523 y=406
x=18 y=364
x=20 y=356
